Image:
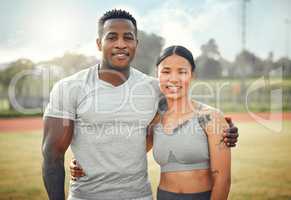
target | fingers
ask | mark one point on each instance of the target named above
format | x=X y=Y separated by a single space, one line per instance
x=231 y=132
x=76 y=170
x=231 y=145
x=228 y=144
x=233 y=129
x=230 y=135
x=230 y=140
x=75 y=165
x=76 y=174
x=229 y=121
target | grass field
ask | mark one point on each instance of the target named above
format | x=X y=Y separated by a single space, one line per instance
x=260 y=169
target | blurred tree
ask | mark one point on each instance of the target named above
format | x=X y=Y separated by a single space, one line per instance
x=210 y=49
x=149 y=48
x=24 y=85
x=247 y=64
x=209 y=66
x=72 y=62
x=285 y=64
x=13 y=69
x=226 y=67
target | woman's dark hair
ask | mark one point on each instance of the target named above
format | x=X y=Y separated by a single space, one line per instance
x=177 y=50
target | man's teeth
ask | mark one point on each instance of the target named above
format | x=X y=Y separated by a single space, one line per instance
x=120 y=54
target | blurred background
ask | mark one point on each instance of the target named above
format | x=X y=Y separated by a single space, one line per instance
x=242 y=50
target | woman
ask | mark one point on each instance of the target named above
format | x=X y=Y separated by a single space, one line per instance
x=187 y=136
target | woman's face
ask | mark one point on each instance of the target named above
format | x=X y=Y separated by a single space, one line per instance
x=175 y=76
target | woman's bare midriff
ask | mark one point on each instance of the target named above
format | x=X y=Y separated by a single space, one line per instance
x=186 y=181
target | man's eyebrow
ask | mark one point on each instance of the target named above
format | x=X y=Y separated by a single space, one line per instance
x=129 y=33
x=111 y=33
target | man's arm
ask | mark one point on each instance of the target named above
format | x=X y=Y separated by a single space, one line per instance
x=57 y=137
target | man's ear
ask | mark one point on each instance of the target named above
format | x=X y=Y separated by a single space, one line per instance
x=99 y=45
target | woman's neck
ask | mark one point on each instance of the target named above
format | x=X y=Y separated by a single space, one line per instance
x=180 y=106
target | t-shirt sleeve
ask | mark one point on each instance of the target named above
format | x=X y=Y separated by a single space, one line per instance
x=62 y=101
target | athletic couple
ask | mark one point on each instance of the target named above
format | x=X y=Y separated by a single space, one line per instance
x=111 y=115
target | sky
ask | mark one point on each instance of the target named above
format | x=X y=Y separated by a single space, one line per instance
x=43 y=29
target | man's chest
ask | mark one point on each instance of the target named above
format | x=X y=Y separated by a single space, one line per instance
x=129 y=104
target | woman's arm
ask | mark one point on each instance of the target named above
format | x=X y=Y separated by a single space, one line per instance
x=150 y=128
x=220 y=157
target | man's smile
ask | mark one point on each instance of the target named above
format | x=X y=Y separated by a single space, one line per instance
x=120 y=54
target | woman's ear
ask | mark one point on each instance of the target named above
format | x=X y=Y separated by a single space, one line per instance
x=194 y=76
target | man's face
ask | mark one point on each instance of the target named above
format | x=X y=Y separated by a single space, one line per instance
x=118 y=43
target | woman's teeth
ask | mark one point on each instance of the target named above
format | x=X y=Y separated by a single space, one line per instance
x=173 y=88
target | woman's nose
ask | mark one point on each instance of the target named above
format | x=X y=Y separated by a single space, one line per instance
x=173 y=77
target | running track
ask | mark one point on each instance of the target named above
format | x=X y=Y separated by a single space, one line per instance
x=35 y=123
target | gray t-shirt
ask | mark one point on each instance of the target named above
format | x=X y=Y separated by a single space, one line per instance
x=110 y=132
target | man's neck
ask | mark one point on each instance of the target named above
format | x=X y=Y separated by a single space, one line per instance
x=113 y=76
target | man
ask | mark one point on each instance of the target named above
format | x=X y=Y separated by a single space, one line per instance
x=103 y=112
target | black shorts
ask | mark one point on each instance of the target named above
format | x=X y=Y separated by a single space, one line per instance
x=165 y=195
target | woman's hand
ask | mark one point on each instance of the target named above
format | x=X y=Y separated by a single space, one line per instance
x=76 y=170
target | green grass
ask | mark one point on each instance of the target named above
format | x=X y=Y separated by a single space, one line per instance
x=260 y=168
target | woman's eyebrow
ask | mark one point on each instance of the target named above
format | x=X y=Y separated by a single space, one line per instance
x=183 y=67
x=166 y=68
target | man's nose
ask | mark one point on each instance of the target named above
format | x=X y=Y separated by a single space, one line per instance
x=120 y=43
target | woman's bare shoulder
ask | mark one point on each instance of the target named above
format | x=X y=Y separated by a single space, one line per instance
x=209 y=116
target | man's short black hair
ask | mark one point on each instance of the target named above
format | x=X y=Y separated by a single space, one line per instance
x=115 y=14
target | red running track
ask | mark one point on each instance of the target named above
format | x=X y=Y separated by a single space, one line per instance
x=36 y=123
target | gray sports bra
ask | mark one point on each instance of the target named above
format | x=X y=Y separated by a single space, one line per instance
x=186 y=148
